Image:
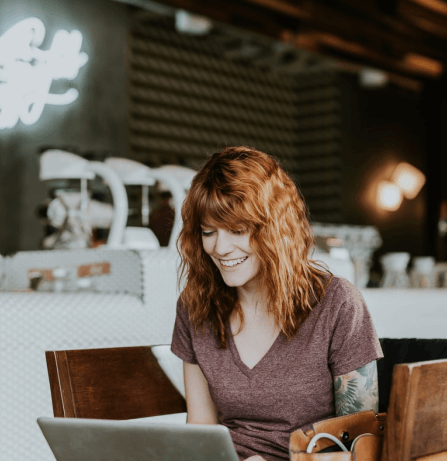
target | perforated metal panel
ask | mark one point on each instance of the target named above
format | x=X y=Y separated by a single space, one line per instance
x=188 y=100
x=160 y=291
x=34 y=322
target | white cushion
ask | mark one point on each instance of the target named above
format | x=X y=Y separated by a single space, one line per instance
x=171 y=365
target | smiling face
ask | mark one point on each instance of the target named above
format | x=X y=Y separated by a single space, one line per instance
x=231 y=253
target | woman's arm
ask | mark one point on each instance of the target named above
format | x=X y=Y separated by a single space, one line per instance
x=200 y=407
x=357 y=390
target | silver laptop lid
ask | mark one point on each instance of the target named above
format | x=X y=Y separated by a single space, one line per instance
x=76 y=439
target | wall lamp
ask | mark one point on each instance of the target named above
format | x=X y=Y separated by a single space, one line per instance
x=406 y=181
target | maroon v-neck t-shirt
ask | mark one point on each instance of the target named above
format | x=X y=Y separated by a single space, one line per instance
x=291 y=387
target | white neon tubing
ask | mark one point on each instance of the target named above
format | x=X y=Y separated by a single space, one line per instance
x=178 y=195
x=120 y=204
x=27 y=72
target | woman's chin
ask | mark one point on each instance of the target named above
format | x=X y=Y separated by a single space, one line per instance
x=233 y=283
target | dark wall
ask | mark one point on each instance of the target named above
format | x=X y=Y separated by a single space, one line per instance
x=96 y=121
x=381 y=128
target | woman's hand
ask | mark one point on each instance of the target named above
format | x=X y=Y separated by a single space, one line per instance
x=255 y=458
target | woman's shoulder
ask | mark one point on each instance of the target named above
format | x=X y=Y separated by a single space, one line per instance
x=342 y=292
x=182 y=309
x=185 y=317
x=344 y=308
x=342 y=286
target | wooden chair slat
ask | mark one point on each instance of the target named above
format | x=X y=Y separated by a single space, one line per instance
x=112 y=383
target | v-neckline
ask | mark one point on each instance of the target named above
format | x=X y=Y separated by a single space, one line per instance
x=249 y=372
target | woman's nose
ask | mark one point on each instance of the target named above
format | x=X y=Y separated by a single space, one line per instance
x=223 y=244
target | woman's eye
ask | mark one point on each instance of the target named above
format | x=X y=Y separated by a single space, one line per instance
x=239 y=232
x=206 y=233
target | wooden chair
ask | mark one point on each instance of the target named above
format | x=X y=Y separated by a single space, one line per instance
x=417 y=413
x=113 y=383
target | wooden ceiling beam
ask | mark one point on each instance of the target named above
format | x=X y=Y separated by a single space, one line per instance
x=405 y=60
x=270 y=17
x=342 y=64
x=382 y=42
x=436 y=6
x=366 y=32
x=336 y=47
x=283 y=6
x=393 y=22
x=364 y=22
x=423 y=18
x=428 y=66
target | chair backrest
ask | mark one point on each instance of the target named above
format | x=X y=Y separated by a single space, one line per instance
x=417 y=423
x=404 y=350
x=112 y=383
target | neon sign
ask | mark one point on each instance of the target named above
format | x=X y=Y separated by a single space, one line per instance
x=27 y=72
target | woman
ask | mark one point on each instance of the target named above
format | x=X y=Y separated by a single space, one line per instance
x=271 y=341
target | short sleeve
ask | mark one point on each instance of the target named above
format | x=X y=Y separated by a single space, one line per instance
x=354 y=340
x=182 y=345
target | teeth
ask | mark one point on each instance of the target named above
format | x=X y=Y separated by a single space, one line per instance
x=233 y=262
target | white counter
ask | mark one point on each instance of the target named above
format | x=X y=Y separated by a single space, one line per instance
x=408 y=313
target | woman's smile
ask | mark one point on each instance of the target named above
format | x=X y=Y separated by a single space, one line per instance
x=233 y=262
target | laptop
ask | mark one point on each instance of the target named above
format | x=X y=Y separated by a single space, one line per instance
x=76 y=439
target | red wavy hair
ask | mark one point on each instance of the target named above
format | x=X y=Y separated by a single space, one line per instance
x=244 y=187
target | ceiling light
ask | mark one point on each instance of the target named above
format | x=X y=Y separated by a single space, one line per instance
x=373 y=78
x=193 y=24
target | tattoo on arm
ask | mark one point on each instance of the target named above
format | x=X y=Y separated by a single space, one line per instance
x=357 y=390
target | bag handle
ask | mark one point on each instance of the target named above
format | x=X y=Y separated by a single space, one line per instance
x=315 y=438
x=346 y=428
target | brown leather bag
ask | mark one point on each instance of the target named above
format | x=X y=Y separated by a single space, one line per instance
x=365 y=429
